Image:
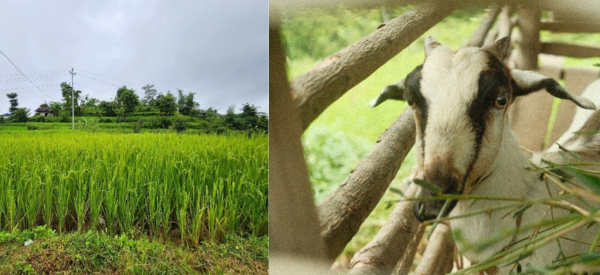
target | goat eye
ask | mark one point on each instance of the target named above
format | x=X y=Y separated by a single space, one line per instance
x=501 y=102
x=411 y=103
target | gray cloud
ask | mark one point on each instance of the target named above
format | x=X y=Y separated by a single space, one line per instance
x=216 y=49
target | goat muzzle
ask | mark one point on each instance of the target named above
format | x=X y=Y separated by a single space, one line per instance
x=430 y=209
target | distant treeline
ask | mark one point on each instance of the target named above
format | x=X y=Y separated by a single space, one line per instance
x=153 y=111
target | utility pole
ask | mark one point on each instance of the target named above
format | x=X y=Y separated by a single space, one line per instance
x=73 y=73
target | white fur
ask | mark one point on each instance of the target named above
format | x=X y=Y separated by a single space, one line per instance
x=592 y=92
x=448 y=126
x=449 y=84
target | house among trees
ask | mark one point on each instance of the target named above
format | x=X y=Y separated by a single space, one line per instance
x=44 y=111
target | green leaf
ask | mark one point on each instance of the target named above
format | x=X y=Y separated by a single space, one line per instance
x=537 y=270
x=521 y=210
x=561 y=173
x=589 y=180
x=573 y=154
x=397 y=191
x=434 y=189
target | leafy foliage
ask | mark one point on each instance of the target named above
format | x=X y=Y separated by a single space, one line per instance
x=128 y=101
x=98 y=253
x=68 y=100
x=166 y=104
x=20 y=115
x=186 y=104
x=109 y=108
x=14 y=103
x=149 y=94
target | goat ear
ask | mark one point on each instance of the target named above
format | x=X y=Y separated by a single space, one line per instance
x=528 y=82
x=394 y=91
x=498 y=48
x=430 y=44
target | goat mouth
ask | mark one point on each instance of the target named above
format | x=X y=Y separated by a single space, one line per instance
x=431 y=210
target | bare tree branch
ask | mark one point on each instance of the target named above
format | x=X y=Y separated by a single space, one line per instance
x=383 y=252
x=408 y=256
x=438 y=255
x=316 y=89
x=343 y=212
x=484 y=27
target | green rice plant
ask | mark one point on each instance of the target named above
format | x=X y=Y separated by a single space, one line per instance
x=203 y=186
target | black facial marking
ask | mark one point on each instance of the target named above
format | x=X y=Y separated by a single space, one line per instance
x=494 y=81
x=413 y=95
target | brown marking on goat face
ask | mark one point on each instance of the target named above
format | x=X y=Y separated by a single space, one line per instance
x=441 y=172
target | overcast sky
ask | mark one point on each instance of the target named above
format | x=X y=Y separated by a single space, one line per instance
x=216 y=49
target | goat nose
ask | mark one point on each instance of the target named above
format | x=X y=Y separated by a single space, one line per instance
x=419 y=211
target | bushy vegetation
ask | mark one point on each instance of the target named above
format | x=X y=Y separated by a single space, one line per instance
x=97 y=253
x=153 y=111
x=196 y=187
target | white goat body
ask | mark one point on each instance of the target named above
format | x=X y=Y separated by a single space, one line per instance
x=465 y=145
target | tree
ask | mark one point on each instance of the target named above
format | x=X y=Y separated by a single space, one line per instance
x=249 y=110
x=129 y=100
x=186 y=104
x=250 y=116
x=108 y=108
x=120 y=91
x=55 y=107
x=166 y=104
x=92 y=102
x=20 y=115
x=12 y=98
x=67 y=101
x=149 y=94
x=233 y=120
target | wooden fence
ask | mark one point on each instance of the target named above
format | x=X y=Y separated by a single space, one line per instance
x=306 y=238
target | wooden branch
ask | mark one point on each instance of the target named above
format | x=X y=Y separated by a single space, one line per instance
x=343 y=212
x=438 y=254
x=529 y=24
x=484 y=27
x=383 y=252
x=504 y=22
x=571 y=50
x=406 y=262
x=491 y=36
x=570 y=27
x=319 y=87
x=293 y=223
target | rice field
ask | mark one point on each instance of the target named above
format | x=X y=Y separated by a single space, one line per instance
x=194 y=187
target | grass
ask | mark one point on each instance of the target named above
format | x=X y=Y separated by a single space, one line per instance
x=96 y=253
x=189 y=187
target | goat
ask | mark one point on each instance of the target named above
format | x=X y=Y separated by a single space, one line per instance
x=464 y=145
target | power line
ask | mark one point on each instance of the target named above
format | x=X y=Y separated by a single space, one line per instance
x=137 y=84
x=100 y=80
x=93 y=89
x=25 y=75
x=39 y=72
x=20 y=79
x=26 y=88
